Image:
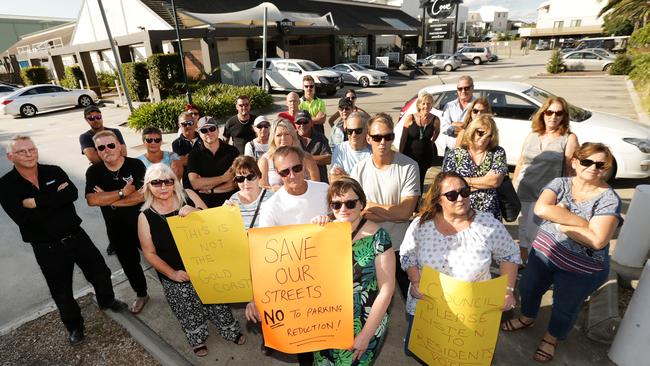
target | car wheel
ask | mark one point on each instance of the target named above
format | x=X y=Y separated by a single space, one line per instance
x=27 y=110
x=563 y=68
x=364 y=82
x=267 y=87
x=448 y=68
x=607 y=67
x=476 y=60
x=85 y=101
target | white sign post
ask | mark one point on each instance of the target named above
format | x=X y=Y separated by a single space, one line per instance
x=381 y=63
x=363 y=60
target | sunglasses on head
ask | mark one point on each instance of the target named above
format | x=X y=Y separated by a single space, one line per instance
x=155 y=139
x=263 y=125
x=187 y=123
x=350 y=204
x=600 y=165
x=94 y=118
x=309 y=86
x=240 y=178
x=285 y=172
x=549 y=113
x=110 y=146
x=482 y=133
x=358 y=131
x=453 y=195
x=205 y=130
x=387 y=137
x=161 y=182
x=464 y=88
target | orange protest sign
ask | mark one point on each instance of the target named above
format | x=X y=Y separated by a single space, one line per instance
x=302 y=286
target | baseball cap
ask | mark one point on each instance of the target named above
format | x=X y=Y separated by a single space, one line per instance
x=302 y=115
x=207 y=121
x=259 y=120
x=345 y=103
x=91 y=108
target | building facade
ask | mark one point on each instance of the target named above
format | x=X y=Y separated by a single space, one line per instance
x=558 y=20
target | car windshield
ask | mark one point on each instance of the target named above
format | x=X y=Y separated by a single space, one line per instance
x=576 y=114
x=602 y=53
x=308 y=66
x=357 y=67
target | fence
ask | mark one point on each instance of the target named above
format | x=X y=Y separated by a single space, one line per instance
x=236 y=73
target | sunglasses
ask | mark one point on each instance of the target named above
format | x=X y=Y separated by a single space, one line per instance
x=155 y=139
x=476 y=111
x=387 y=137
x=600 y=165
x=285 y=172
x=110 y=146
x=549 y=113
x=351 y=98
x=350 y=205
x=205 y=130
x=161 y=182
x=358 y=131
x=482 y=133
x=94 y=118
x=464 y=88
x=241 y=178
x=187 y=123
x=348 y=109
x=194 y=113
x=263 y=125
x=243 y=105
x=302 y=122
x=453 y=195
x=309 y=86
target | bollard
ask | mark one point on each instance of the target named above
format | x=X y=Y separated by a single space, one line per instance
x=81 y=84
x=119 y=93
x=634 y=332
x=633 y=242
x=150 y=90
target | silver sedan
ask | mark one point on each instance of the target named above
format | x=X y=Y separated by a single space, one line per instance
x=587 y=60
x=442 y=61
x=353 y=73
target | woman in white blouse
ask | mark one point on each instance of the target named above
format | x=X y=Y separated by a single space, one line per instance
x=456 y=240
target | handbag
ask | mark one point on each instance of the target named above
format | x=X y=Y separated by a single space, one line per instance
x=509 y=203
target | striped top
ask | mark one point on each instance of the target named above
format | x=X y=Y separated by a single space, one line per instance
x=561 y=250
x=248 y=209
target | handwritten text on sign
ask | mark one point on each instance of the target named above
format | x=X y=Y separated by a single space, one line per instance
x=457 y=322
x=302 y=285
x=214 y=249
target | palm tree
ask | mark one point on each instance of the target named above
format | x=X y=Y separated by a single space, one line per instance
x=638 y=11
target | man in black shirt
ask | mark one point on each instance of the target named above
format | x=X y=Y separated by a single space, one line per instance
x=209 y=166
x=314 y=142
x=114 y=185
x=186 y=142
x=40 y=200
x=240 y=126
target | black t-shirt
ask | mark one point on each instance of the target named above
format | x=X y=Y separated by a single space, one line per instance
x=182 y=146
x=163 y=240
x=86 y=138
x=318 y=145
x=240 y=132
x=205 y=164
x=120 y=221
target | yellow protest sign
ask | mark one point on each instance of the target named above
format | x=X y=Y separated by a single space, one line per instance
x=214 y=249
x=457 y=322
x=302 y=285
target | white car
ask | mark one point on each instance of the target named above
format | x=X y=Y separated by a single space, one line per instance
x=442 y=61
x=514 y=104
x=6 y=90
x=587 y=60
x=34 y=99
x=287 y=74
x=354 y=73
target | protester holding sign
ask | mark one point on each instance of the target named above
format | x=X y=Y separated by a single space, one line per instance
x=164 y=197
x=373 y=281
x=250 y=196
x=455 y=240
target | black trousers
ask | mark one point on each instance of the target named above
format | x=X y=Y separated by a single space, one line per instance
x=126 y=245
x=57 y=260
x=401 y=277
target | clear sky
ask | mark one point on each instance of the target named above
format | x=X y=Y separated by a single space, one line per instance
x=519 y=9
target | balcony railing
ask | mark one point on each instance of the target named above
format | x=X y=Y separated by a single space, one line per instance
x=564 y=31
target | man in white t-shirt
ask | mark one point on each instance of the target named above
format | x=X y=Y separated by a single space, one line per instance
x=351 y=152
x=391 y=181
x=259 y=145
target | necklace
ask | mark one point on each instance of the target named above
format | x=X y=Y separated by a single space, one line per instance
x=116 y=175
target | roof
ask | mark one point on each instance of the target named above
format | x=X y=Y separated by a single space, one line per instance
x=35 y=18
x=61 y=33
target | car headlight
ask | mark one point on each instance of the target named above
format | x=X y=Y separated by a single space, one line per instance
x=323 y=80
x=642 y=144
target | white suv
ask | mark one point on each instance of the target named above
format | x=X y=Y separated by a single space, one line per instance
x=287 y=74
x=476 y=55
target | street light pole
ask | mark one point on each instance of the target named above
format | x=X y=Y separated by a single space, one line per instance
x=424 y=30
x=181 y=54
x=454 y=44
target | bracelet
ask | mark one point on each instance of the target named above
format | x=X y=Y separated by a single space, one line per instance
x=510 y=289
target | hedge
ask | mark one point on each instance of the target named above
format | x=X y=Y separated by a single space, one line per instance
x=165 y=70
x=622 y=65
x=35 y=75
x=136 y=76
x=107 y=79
x=217 y=100
x=72 y=76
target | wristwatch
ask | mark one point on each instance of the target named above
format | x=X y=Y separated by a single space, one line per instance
x=120 y=193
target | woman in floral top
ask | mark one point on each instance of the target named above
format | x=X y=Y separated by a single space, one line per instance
x=373 y=279
x=482 y=162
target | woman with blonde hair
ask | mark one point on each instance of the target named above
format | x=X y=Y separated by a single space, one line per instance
x=482 y=162
x=283 y=133
x=478 y=107
x=164 y=197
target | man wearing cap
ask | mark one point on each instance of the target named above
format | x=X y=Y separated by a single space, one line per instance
x=349 y=153
x=187 y=141
x=209 y=166
x=240 y=126
x=259 y=145
x=313 y=104
x=93 y=116
x=338 y=128
x=314 y=142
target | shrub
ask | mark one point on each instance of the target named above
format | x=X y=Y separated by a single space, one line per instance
x=72 y=76
x=136 y=76
x=641 y=68
x=107 y=79
x=165 y=71
x=640 y=38
x=622 y=65
x=35 y=75
x=555 y=64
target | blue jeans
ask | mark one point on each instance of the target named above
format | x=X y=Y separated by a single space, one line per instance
x=570 y=290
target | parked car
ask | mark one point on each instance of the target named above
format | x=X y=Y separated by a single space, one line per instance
x=442 y=61
x=542 y=46
x=287 y=74
x=600 y=51
x=514 y=104
x=475 y=55
x=353 y=73
x=6 y=90
x=34 y=99
x=587 y=60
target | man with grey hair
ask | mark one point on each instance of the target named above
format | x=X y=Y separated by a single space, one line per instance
x=187 y=141
x=40 y=199
x=454 y=112
x=355 y=149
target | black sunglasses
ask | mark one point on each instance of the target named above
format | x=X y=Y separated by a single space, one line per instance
x=194 y=113
x=464 y=88
x=350 y=204
x=482 y=133
x=205 y=130
x=161 y=182
x=387 y=137
x=302 y=122
x=285 y=172
x=240 y=178
x=187 y=123
x=155 y=139
x=263 y=125
x=94 y=118
x=110 y=146
x=453 y=195
x=600 y=165
x=309 y=86
x=549 y=113
x=476 y=111
x=358 y=131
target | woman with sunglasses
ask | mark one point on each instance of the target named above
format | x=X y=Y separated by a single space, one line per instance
x=164 y=197
x=283 y=133
x=444 y=236
x=545 y=155
x=152 y=139
x=250 y=196
x=580 y=215
x=482 y=162
x=421 y=130
x=373 y=280
x=478 y=107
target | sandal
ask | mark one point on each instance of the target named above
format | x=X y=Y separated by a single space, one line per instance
x=543 y=356
x=139 y=304
x=240 y=340
x=200 y=351
x=508 y=325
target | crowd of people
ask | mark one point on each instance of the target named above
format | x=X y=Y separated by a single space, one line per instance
x=283 y=170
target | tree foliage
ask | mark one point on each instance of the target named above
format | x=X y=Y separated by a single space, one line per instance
x=72 y=76
x=35 y=75
x=555 y=63
x=635 y=11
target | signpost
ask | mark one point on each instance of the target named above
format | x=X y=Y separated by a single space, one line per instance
x=437 y=31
